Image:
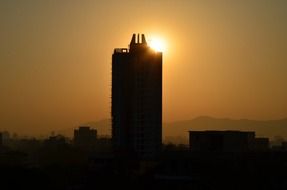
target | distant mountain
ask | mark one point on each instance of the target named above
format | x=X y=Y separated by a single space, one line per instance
x=269 y=128
x=177 y=132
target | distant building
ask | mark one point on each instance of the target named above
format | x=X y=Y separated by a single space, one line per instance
x=284 y=145
x=281 y=148
x=261 y=144
x=221 y=141
x=85 y=136
x=1 y=139
x=137 y=100
x=55 y=141
x=5 y=138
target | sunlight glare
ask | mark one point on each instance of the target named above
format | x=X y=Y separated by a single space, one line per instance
x=157 y=44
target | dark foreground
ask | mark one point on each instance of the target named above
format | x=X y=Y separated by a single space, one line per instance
x=65 y=167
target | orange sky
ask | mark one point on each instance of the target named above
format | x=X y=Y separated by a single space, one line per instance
x=224 y=59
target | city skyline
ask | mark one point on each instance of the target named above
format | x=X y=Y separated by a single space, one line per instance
x=223 y=59
x=143 y=94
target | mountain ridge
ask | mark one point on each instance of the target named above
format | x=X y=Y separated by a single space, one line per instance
x=179 y=129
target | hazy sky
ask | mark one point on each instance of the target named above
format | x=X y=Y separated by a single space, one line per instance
x=224 y=58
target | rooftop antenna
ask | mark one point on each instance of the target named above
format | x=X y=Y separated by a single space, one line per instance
x=143 y=39
x=133 y=41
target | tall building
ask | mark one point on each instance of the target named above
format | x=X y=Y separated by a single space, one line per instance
x=137 y=99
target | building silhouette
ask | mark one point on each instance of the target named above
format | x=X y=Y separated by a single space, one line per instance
x=1 y=139
x=137 y=99
x=226 y=141
x=221 y=141
x=55 y=141
x=85 y=136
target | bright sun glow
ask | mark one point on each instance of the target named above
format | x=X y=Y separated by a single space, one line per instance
x=157 y=44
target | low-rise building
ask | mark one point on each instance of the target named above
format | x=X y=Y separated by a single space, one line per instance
x=85 y=136
x=221 y=141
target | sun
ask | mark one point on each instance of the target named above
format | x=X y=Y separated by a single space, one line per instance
x=157 y=44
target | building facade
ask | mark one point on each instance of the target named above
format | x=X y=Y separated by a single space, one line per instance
x=137 y=99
